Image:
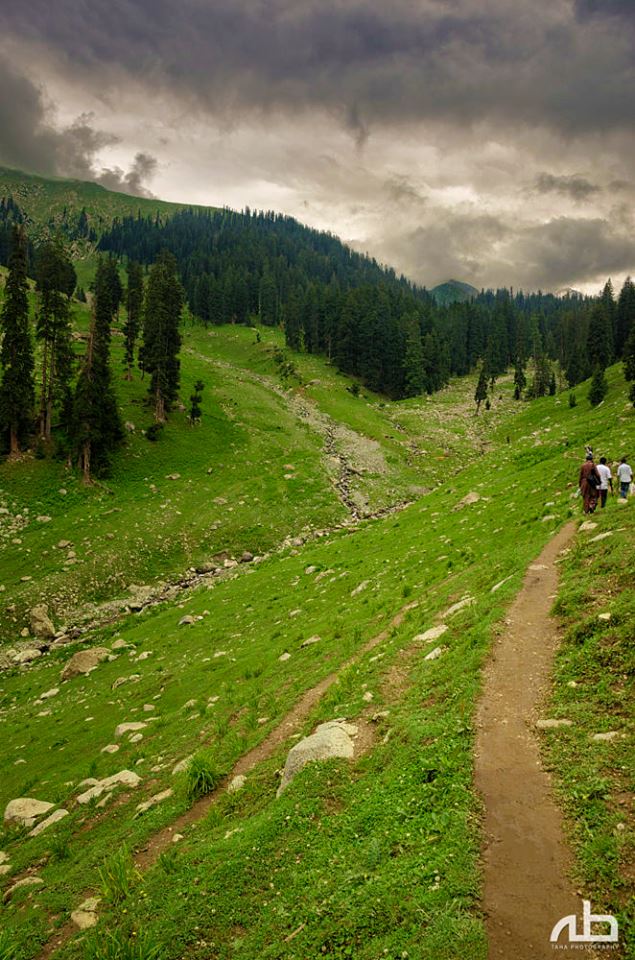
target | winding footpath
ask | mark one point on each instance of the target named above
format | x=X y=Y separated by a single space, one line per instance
x=526 y=862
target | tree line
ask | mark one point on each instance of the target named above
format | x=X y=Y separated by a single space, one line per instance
x=59 y=390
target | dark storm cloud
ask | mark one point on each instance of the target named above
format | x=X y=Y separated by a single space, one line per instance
x=367 y=62
x=29 y=141
x=606 y=8
x=574 y=186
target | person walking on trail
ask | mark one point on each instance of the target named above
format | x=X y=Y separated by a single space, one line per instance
x=589 y=481
x=607 y=480
x=625 y=476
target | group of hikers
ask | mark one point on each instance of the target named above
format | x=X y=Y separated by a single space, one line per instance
x=596 y=480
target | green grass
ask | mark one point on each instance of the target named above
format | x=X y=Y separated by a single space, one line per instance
x=354 y=859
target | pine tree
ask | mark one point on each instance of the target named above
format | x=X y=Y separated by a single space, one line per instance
x=599 y=339
x=481 y=388
x=97 y=424
x=134 y=307
x=599 y=387
x=161 y=338
x=56 y=281
x=625 y=319
x=629 y=363
x=195 y=403
x=414 y=379
x=17 y=395
x=520 y=380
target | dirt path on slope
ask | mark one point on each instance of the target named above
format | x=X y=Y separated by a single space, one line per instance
x=526 y=862
x=289 y=725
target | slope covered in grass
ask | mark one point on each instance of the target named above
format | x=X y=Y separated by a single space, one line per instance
x=378 y=856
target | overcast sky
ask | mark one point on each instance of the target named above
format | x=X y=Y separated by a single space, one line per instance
x=490 y=141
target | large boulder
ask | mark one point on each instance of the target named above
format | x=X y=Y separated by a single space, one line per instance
x=45 y=824
x=468 y=500
x=83 y=662
x=25 y=811
x=40 y=623
x=332 y=739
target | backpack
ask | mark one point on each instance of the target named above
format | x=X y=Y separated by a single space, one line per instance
x=593 y=478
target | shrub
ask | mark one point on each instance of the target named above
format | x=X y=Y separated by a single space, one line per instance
x=122 y=945
x=118 y=876
x=202 y=776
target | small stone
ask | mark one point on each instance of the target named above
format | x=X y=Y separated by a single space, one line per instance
x=284 y=657
x=84 y=662
x=111 y=748
x=25 y=882
x=25 y=811
x=236 y=783
x=135 y=738
x=45 y=824
x=186 y=620
x=368 y=696
x=153 y=801
x=85 y=916
x=460 y=605
x=606 y=737
x=124 y=728
x=148 y=707
x=604 y=616
x=553 y=724
x=432 y=634
x=177 y=838
x=358 y=589
x=310 y=641
x=588 y=525
x=601 y=536
x=53 y=692
x=436 y=653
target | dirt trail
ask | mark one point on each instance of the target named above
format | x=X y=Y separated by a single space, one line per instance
x=527 y=865
x=290 y=724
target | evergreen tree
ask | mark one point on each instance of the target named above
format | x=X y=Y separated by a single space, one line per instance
x=481 y=388
x=268 y=301
x=56 y=279
x=598 y=388
x=161 y=337
x=629 y=363
x=134 y=307
x=414 y=379
x=195 y=403
x=17 y=395
x=607 y=300
x=520 y=380
x=97 y=424
x=599 y=337
x=625 y=316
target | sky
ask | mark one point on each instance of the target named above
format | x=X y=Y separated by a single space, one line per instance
x=490 y=141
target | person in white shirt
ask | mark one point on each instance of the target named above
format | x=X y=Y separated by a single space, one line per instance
x=606 y=480
x=625 y=476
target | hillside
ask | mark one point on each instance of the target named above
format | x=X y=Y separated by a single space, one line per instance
x=453 y=291
x=327 y=616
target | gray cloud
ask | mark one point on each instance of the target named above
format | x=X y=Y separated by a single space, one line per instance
x=367 y=63
x=31 y=142
x=574 y=186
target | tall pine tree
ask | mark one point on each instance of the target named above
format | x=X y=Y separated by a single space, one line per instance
x=17 y=395
x=56 y=279
x=161 y=337
x=97 y=424
x=134 y=307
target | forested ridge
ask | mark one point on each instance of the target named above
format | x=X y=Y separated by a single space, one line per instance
x=261 y=268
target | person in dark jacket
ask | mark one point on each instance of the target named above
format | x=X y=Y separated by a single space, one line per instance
x=590 y=481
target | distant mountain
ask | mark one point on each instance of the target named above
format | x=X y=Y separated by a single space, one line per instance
x=569 y=293
x=453 y=291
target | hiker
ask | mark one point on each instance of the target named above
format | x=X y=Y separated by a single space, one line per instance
x=589 y=481
x=625 y=476
x=607 y=480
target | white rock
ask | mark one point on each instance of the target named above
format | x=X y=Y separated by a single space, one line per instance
x=124 y=778
x=90 y=794
x=553 y=724
x=436 y=653
x=153 y=801
x=601 y=536
x=432 y=634
x=606 y=737
x=45 y=824
x=460 y=605
x=53 y=692
x=236 y=783
x=26 y=882
x=5 y=868
x=588 y=525
x=310 y=641
x=177 y=837
x=83 y=662
x=27 y=656
x=111 y=748
x=121 y=644
x=329 y=740
x=284 y=656
x=467 y=500
x=85 y=916
x=135 y=738
x=500 y=583
x=182 y=765
x=124 y=728
x=148 y=707
x=25 y=810
x=359 y=588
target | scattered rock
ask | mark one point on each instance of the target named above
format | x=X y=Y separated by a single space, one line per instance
x=53 y=692
x=124 y=728
x=500 y=583
x=153 y=801
x=83 y=662
x=467 y=500
x=173 y=476
x=553 y=724
x=549 y=516
x=25 y=882
x=41 y=624
x=177 y=838
x=436 y=653
x=310 y=641
x=236 y=783
x=121 y=644
x=27 y=656
x=466 y=602
x=368 y=696
x=45 y=824
x=606 y=737
x=601 y=536
x=332 y=739
x=135 y=738
x=246 y=557
x=432 y=634
x=604 y=616
x=284 y=656
x=182 y=765
x=358 y=589
x=111 y=748
x=187 y=619
x=588 y=525
x=85 y=916
x=25 y=811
